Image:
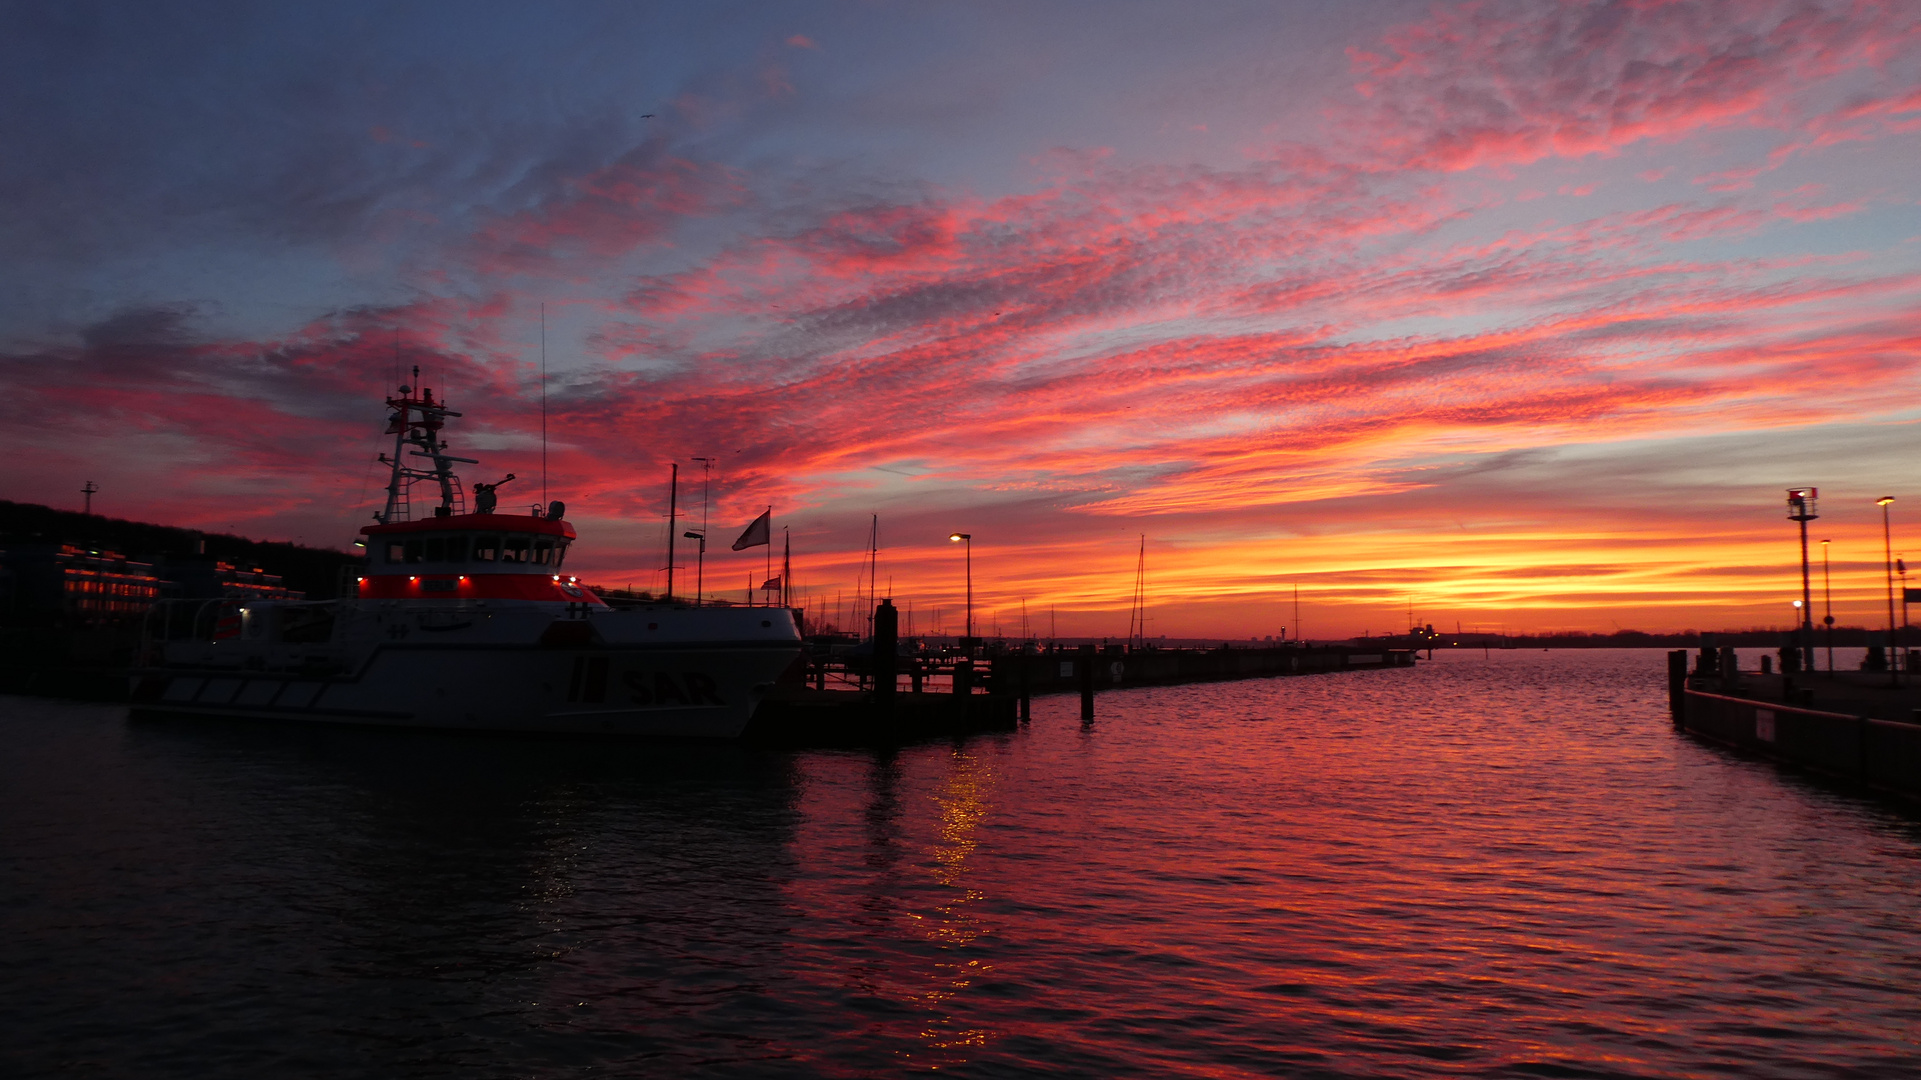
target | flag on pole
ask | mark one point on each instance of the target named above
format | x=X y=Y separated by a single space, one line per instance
x=770 y=584
x=758 y=533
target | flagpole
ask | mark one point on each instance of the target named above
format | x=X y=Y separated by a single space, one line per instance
x=770 y=544
x=786 y=564
x=673 y=497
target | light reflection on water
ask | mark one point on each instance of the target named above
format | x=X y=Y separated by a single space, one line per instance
x=1500 y=865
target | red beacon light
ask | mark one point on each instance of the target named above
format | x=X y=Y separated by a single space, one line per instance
x=1802 y=505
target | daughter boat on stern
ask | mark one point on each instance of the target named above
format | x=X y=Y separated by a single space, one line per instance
x=466 y=620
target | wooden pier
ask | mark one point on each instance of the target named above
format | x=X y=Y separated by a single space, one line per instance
x=841 y=699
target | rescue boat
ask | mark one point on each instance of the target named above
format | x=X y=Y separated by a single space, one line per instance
x=465 y=618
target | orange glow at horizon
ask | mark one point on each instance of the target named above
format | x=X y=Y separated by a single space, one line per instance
x=1529 y=322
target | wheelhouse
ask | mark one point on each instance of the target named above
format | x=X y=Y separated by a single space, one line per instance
x=471 y=557
x=487 y=543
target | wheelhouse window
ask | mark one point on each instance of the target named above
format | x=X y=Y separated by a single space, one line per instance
x=396 y=552
x=436 y=549
x=560 y=553
x=457 y=548
x=544 y=552
x=486 y=548
x=517 y=549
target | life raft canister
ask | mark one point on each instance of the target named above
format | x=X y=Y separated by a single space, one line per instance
x=227 y=624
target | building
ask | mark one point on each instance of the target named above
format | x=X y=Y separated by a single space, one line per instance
x=203 y=578
x=70 y=585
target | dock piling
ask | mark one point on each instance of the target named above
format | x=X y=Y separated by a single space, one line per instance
x=886 y=638
x=1677 y=685
x=1085 y=662
x=1025 y=660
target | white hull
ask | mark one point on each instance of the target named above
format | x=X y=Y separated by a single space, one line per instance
x=689 y=685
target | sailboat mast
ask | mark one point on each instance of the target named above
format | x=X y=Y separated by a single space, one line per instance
x=873 y=569
x=1137 y=614
x=673 y=513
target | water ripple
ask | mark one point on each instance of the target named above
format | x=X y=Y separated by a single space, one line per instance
x=1488 y=866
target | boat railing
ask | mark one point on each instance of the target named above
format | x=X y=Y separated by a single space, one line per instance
x=931 y=672
x=190 y=619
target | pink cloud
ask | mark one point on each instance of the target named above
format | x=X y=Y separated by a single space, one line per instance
x=1207 y=349
x=1512 y=83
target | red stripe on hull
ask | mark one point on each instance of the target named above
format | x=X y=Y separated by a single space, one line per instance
x=475 y=587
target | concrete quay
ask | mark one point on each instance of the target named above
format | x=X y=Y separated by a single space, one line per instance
x=1851 y=725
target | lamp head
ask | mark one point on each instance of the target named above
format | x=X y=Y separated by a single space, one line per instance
x=961 y=536
x=1884 y=500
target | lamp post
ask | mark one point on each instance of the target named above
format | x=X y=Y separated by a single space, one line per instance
x=1827 y=604
x=1801 y=508
x=968 y=539
x=700 y=565
x=1887 y=560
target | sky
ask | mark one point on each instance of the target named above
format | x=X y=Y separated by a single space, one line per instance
x=1517 y=316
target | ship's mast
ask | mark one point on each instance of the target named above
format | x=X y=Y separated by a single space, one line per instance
x=416 y=421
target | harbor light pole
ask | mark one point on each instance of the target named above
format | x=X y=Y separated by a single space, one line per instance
x=1887 y=561
x=1827 y=603
x=968 y=539
x=700 y=565
x=1801 y=508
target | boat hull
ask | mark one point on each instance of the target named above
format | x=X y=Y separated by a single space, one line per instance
x=690 y=690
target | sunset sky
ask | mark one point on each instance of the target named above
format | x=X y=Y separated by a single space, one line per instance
x=1524 y=315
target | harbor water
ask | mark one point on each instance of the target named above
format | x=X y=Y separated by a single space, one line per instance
x=1499 y=865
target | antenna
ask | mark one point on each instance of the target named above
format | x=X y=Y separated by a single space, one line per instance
x=543 y=429
x=88 y=492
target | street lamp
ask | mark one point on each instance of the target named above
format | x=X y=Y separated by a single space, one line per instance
x=1887 y=560
x=700 y=565
x=1801 y=508
x=1827 y=603
x=968 y=538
